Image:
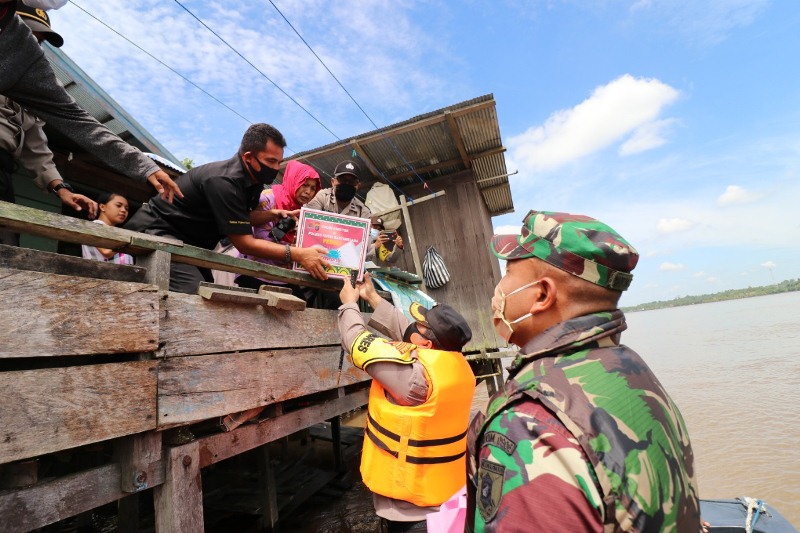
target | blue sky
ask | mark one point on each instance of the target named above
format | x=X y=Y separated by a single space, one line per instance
x=677 y=123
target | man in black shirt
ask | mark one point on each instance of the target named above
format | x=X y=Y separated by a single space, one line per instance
x=217 y=201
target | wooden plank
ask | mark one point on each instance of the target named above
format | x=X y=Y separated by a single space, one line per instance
x=412 y=242
x=66 y=265
x=52 y=225
x=200 y=387
x=223 y=446
x=33 y=221
x=67 y=315
x=179 y=501
x=45 y=503
x=47 y=410
x=139 y=456
x=285 y=302
x=156 y=264
x=191 y=325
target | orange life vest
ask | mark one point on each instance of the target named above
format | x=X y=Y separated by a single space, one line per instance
x=417 y=453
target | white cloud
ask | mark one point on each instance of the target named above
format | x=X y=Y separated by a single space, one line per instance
x=673 y=225
x=614 y=111
x=736 y=195
x=702 y=23
x=647 y=137
x=769 y=264
x=671 y=267
x=508 y=230
x=700 y=274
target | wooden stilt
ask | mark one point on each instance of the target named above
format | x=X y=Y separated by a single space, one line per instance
x=179 y=501
x=269 y=495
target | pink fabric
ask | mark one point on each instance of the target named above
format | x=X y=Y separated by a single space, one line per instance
x=451 y=516
x=294 y=176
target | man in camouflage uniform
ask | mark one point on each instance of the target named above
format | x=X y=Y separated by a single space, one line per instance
x=583 y=437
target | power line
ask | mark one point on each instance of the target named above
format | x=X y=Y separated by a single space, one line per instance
x=184 y=78
x=298 y=104
x=394 y=146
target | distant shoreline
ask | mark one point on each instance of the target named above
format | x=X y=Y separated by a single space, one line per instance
x=784 y=286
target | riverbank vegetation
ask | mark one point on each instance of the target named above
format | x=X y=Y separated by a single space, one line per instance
x=784 y=286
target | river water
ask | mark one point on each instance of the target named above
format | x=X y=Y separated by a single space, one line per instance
x=733 y=368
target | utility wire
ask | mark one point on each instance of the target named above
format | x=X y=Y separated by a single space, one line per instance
x=258 y=70
x=394 y=146
x=187 y=80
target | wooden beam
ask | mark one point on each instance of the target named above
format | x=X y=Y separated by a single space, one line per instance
x=195 y=388
x=48 y=502
x=412 y=241
x=179 y=501
x=222 y=446
x=54 y=409
x=449 y=163
x=414 y=202
x=54 y=315
x=27 y=259
x=363 y=155
x=139 y=457
x=457 y=138
x=190 y=325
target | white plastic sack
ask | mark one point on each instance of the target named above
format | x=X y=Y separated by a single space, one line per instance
x=380 y=198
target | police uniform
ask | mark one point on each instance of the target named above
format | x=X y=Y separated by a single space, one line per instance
x=217 y=201
x=324 y=200
x=405 y=491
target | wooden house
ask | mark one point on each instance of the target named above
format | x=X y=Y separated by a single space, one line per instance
x=103 y=359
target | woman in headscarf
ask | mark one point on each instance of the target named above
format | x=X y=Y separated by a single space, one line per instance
x=300 y=183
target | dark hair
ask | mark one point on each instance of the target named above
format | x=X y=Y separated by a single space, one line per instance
x=256 y=137
x=106 y=197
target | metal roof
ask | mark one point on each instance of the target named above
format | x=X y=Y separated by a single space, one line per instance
x=102 y=107
x=454 y=139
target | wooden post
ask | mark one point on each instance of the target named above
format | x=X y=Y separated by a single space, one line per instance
x=412 y=242
x=269 y=491
x=157 y=264
x=179 y=501
x=139 y=457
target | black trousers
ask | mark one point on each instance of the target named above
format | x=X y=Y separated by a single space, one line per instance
x=390 y=526
x=7 y=194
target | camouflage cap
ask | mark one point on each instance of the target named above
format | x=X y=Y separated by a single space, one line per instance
x=577 y=244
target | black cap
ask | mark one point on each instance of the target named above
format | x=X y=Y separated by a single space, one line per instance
x=347 y=167
x=38 y=21
x=449 y=327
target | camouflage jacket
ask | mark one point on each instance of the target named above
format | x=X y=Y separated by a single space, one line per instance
x=582 y=438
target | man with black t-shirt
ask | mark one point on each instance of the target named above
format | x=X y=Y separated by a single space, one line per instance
x=217 y=201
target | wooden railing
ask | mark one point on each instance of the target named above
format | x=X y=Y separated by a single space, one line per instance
x=92 y=353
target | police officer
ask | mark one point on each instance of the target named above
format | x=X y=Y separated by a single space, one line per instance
x=341 y=196
x=583 y=437
x=413 y=458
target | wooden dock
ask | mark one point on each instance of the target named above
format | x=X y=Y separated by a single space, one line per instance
x=102 y=357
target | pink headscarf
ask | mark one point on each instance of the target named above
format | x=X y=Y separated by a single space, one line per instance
x=294 y=177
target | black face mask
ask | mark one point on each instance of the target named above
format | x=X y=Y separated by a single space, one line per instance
x=344 y=192
x=265 y=176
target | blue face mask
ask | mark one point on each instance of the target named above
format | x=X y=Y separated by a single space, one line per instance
x=373 y=233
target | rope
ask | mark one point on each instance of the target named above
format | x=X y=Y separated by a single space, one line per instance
x=752 y=505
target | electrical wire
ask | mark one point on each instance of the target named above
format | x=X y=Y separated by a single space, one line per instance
x=394 y=146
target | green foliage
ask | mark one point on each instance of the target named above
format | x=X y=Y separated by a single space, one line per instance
x=788 y=285
x=187 y=163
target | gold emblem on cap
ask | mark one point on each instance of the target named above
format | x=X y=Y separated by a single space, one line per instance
x=41 y=13
x=415 y=312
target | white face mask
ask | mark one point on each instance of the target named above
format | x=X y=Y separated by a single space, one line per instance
x=499 y=309
x=373 y=233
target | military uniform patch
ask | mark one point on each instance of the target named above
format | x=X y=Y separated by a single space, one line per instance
x=490 y=488
x=499 y=440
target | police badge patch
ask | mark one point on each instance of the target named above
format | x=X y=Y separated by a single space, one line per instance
x=490 y=488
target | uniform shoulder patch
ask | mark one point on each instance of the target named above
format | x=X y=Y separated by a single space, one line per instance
x=403 y=347
x=490 y=488
x=499 y=440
